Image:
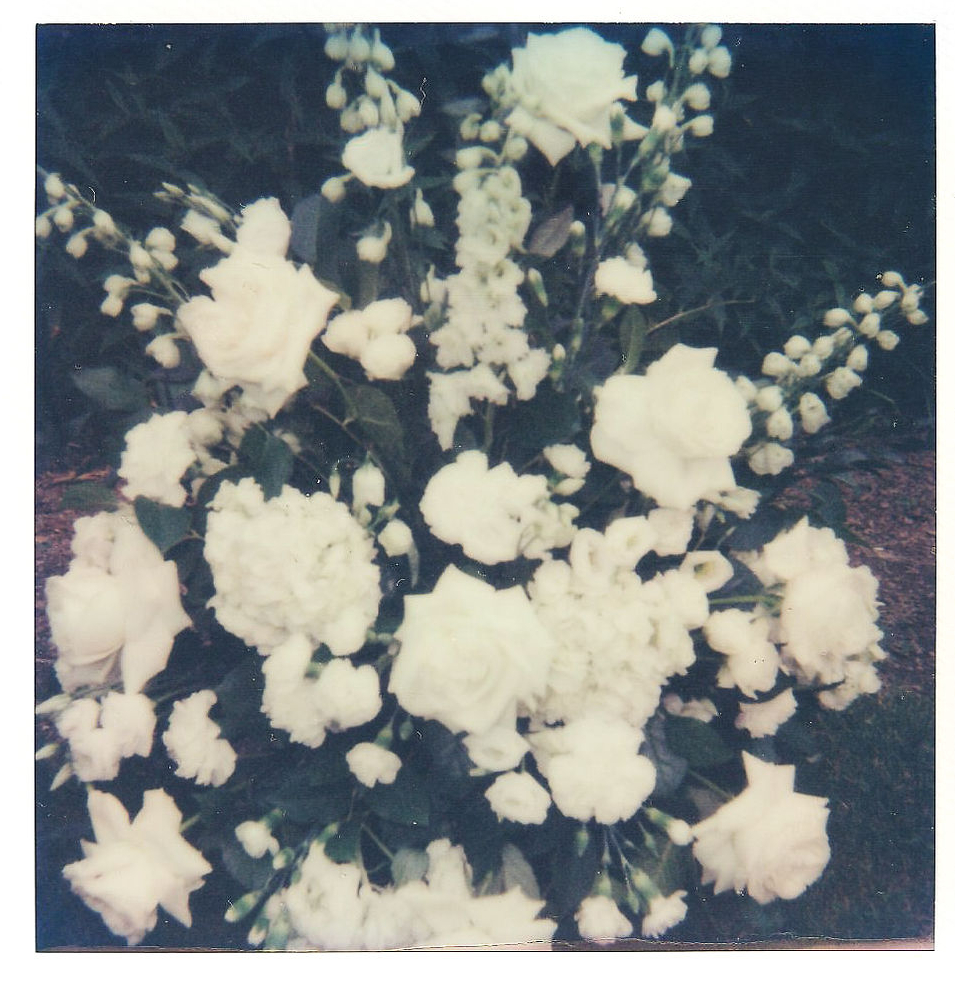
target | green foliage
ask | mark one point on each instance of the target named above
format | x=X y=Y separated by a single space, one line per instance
x=165 y=526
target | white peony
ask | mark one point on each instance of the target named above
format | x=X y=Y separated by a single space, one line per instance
x=117 y=607
x=518 y=797
x=194 y=743
x=566 y=86
x=376 y=158
x=292 y=564
x=256 y=328
x=494 y=514
x=470 y=655
x=770 y=840
x=674 y=428
x=133 y=868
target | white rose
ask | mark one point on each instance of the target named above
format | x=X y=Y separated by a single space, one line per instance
x=256 y=328
x=133 y=868
x=566 y=85
x=118 y=604
x=769 y=840
x=828 y=615
x=518 y=797
x=376 y=158
x=674 y=428
x=600 y=920
x=371 y=764
x=470 y=655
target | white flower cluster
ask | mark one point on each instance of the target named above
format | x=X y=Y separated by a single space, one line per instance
x=159 y=452
x=482 y=330
x=495 y=515
x=101 y=734
x=134 y=868
x=832 y=363
x=116 y=611
x=292 y=564
x=376 y=115
x=376 y=336
x=194 y=742
x=306 y=706
x=256 y=329
x=334 y=906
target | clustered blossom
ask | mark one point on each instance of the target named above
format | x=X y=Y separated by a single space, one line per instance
x=194 y=742
x=334 y=906
x=101 y=734
x=308 y=706
x=494 y=514
x=482 y=334
x=117 y=610
x=292 y=564
x=376 y=336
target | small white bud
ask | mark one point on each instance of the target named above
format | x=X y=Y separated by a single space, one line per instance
x=780 y=425
x=656 y=91
x=664 y=118
x=776 y=364
x=885 y=298
x=333 y=189
x=656 y=42
x=797 y=347
x=823 y=346
x=862 y=304
x=490 y=132
x=375 y=85
x=63 y=218
x=711 y=36
x=701 y=127
x=111 y=306
x=359 y=48
x=699 y=61
x=809 y=365
x=76 y=246
x=720 y=62
x=812 y=413
x=336 y=47
x=53 y=187
x=858 y=359
x=769 y=398
x=407 y=105
x=836 y=316
x=421 y=213
x=395 y=538
x=164 y=350
x=103 y=223
x=887 y=340
x=870 y=325
x=515 y=148
x=382 y=56
x=161 y=239
x=892 y=278
x=145 y=316
x=139 y=257
x=697 y=96
x=916 y=317
x=335 y=96
x=43 y=226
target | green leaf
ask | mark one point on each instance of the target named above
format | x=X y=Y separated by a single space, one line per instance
x=633 y=333
x=375 y=415
x=108 y=387
x=404 y=801
x=269 y=458
x=343 y=845
x=307 y=805
x=88 y=496
x=697 y=742
x=251 y=873
x=163 y=525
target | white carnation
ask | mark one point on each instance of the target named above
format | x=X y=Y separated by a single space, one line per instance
x=193 y=741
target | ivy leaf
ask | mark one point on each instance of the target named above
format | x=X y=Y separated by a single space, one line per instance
x=670 y=767
x=697 y=742
x=633 y=333
x=111 y=389
x=375 y=414
x=404 y=801
x=270 y=459
x=251 y=873
x=88 y=496
x=165 y=526
x=343 y=845
x=550 y=236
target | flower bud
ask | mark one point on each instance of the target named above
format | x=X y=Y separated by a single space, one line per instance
x=43 y=226
x=812 y=413
x=840 y=382
x=885 y=298
x=333 y=189
x=770 y=459
x=887 y=340
x=656 y=91
x=336 y=47
x=916 y=317
x=701 y=127
x=368 y=112
x=776 y=364
x=699 y=61
x=375 y=85
x=870 y=324
x=145 y=316
x=769 y=398
x=720 y=62
x=164 y=350
x=515 y=148
x=858 y=359
x=656 y=42
x=421 y=213
x=237 y=910
x=382 y=55
x=103 y=223
x=407 y=105
x=359 y=48
x=797 y=347
x=76 y=246
x=862 y=304
x=54 y=188
x=63 y=218
x=490 y=132
x=710 y=36
x=892 y=278
x=658 y=221
x=139 y=257
x=823 y=346
x=396 y=538
x=111 y=306
x=664 y=118
x=780 y=425
x=335 y=95
x=536 y=282
x=697 y=96
x=836 y=316
x=809 y=365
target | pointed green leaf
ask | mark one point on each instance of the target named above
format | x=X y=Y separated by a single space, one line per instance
x=163 y=525
x=697 y=742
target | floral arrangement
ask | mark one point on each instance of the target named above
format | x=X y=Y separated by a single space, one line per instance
x=445 y=607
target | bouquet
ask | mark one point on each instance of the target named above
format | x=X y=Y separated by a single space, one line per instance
x=443 y=602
